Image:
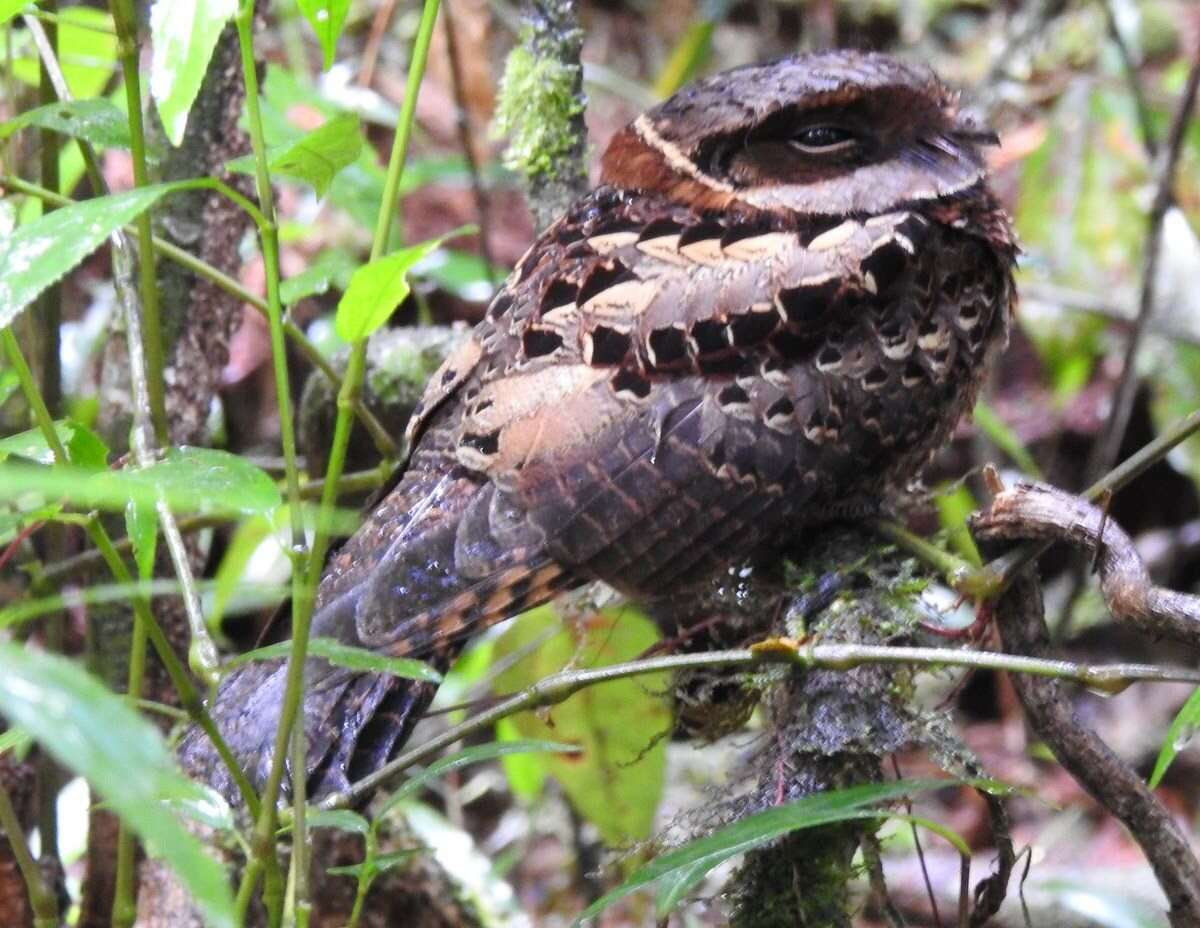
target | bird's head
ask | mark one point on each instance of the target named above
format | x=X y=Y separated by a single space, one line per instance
x=835 y=133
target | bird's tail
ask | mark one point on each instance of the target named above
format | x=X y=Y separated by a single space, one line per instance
x=425 y=571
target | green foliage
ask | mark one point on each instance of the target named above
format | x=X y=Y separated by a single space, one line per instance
x=188 y=479
x=376 y=289
x=616 y=779
x=38 y=254
x=326 y=18
x=315 y=158
x=87 y=51
x=183 y=34
x=84 y=447
x=344 y=655
x=91 y=732
x=97 y=121
x=1179 y=735
x=681 y=869
x=535 y=109
x=10 y=8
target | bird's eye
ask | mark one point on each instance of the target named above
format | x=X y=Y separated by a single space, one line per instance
x=823 y=140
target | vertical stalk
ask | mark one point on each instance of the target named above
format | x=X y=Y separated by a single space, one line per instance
x=264 y=859
x=127 y=50
x=41 y=899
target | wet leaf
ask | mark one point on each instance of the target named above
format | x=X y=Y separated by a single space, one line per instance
x=1183 y=729
x=96 y=120
x=40 y=253
x=184 y=34
x=318 y=156
x=326 y=18
x=616 y=779
x=93 y=733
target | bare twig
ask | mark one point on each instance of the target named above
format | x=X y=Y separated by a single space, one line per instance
x=379 y=24
x=991 y=890
x=558 y=687
x=1107 y=448
x=1043 y=512
x=462 y=123
x=1020 y=617
x=1136 y=88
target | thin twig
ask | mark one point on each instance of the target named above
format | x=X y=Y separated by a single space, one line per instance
x=560 y=686
x=463 y=125
x=1040 y=511
x=1134 y=79
x=1116 y=786
x=1167 y=161
x=41 y=900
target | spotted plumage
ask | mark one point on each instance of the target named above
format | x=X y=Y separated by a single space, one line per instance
x=775 y=306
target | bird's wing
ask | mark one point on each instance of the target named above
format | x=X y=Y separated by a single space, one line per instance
x=632 y=408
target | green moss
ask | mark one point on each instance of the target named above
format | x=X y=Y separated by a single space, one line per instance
x=535 y=109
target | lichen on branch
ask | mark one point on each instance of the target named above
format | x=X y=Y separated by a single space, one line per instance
x=540 y=109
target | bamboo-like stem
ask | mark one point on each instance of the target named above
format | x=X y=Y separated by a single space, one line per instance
x=125 y=20
x=347 y=398
x=189 y=697
x=264 y=859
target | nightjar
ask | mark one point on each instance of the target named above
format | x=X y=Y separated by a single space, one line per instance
x=775 y=306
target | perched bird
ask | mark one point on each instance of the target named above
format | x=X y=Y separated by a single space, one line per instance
x=774 y=307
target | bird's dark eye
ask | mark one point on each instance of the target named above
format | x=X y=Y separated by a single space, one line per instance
x=823 y=140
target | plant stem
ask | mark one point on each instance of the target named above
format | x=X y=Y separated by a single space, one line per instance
x=556 y=688
x=379 y=434
x=348 y=397
x=263 y=842
x=189 y=697
x=127 y=50
x=41 y=900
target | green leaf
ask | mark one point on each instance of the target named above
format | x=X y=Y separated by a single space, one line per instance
x=31 y=444
x=616 y=779
x=371 y=868
x=208 y=807
x=93 y=733
x=84 y=447
x=687 y=865
x=1005 y=439
x=41 y=252
x=331 y=267
x=344 y=655
x=375 y=290
x=326 y=18
x=526 y=774
x=184 y=34
x=96 y=120
x=247 y=539
x=317 y=157
x=466 y=757
x=955 y=504
x=87 y=51
x=341 y=819
x=14 y=740
x=1183 y=729
x=141 y=525
x=10 y=8
x=190 y=479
